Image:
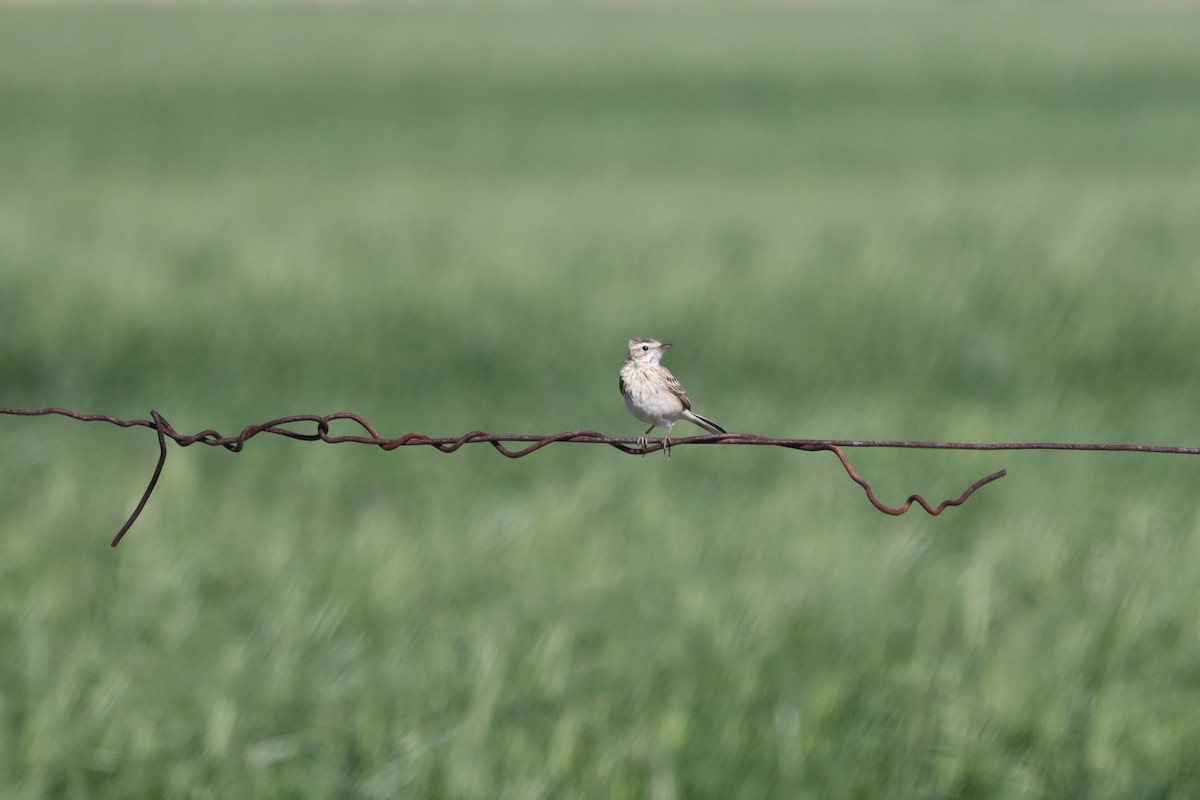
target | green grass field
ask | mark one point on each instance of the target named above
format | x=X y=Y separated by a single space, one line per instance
x=952 y=222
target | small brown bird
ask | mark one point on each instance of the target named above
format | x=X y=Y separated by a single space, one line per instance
x=653 y=395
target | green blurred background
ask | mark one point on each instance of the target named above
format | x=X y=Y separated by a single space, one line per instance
x=959 y=221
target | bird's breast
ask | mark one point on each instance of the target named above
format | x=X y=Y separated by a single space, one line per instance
x=649 y=400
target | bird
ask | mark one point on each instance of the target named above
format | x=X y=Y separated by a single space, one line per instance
x=654 y=395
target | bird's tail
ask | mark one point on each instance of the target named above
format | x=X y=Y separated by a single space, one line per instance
x=707 y=424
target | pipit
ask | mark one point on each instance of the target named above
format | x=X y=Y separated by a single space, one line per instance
x=653 y=395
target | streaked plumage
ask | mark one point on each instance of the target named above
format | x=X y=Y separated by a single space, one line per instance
x=654 y=395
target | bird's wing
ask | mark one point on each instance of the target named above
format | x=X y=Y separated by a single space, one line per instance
x=677 y=389
x=622 y=385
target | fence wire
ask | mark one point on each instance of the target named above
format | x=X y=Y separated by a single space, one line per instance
x=281 y=427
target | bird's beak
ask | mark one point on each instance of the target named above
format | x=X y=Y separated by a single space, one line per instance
x=665 y=345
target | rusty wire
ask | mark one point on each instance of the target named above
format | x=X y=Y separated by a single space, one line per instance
x=234 y=444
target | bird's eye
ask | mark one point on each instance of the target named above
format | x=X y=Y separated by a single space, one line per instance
x=645 y=347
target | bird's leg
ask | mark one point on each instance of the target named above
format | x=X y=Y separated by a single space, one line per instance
x=644 y=440
x=667 y=441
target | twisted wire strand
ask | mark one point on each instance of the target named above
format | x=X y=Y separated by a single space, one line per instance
x=281 y=426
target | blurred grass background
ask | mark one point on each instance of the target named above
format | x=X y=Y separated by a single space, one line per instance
x=972 y=222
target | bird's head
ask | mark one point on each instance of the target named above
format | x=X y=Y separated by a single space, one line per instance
x=646 y=351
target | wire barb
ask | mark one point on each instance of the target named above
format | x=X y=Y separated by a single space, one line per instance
x=631 y=445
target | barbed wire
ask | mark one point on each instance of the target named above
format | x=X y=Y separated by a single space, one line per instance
x=631 y=445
